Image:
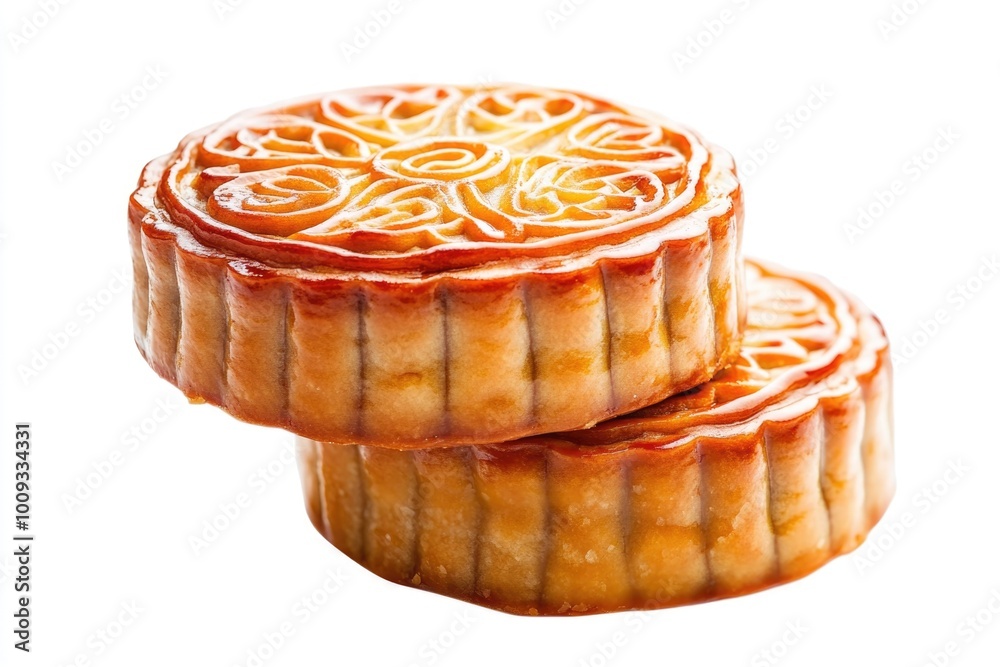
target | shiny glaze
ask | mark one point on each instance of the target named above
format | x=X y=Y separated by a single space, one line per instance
x=397 y=327
x=430 y=178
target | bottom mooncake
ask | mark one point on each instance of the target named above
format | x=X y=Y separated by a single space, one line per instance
x=778 y=464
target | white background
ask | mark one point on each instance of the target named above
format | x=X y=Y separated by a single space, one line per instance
x=886 y=94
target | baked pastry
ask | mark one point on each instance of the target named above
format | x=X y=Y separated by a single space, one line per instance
x=759 y=476
x=433 y=265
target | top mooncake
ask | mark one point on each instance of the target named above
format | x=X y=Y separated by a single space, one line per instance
x=425 y=265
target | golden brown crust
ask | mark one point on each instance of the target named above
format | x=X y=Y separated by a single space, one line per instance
x=756 y=478
x=414 y=332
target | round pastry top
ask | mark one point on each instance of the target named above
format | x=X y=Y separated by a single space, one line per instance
x=438 y=177
x=804 y=338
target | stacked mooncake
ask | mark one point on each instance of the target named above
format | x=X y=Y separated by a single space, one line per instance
x=516 y=335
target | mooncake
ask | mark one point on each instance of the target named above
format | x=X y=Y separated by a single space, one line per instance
x=759 y=476
x=432 y=265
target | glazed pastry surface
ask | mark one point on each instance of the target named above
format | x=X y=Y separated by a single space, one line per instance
x=416 y=266
x=759 y=476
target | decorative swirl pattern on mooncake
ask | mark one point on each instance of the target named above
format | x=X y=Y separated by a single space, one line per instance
x=388 y=214
x=500 y=168
x=624 y=138
x=385 y=116
x=444 y=161
x=281 y=140
x=282 y=200
x=518 y=116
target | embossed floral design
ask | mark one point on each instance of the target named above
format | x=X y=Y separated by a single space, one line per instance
x=551 y=196
x=280 y=140
x=518 y=116
x=388 y=214
x=400 y=169
x=279 y=201
x=385 y=116
x=624 y=138
x=446 y=161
